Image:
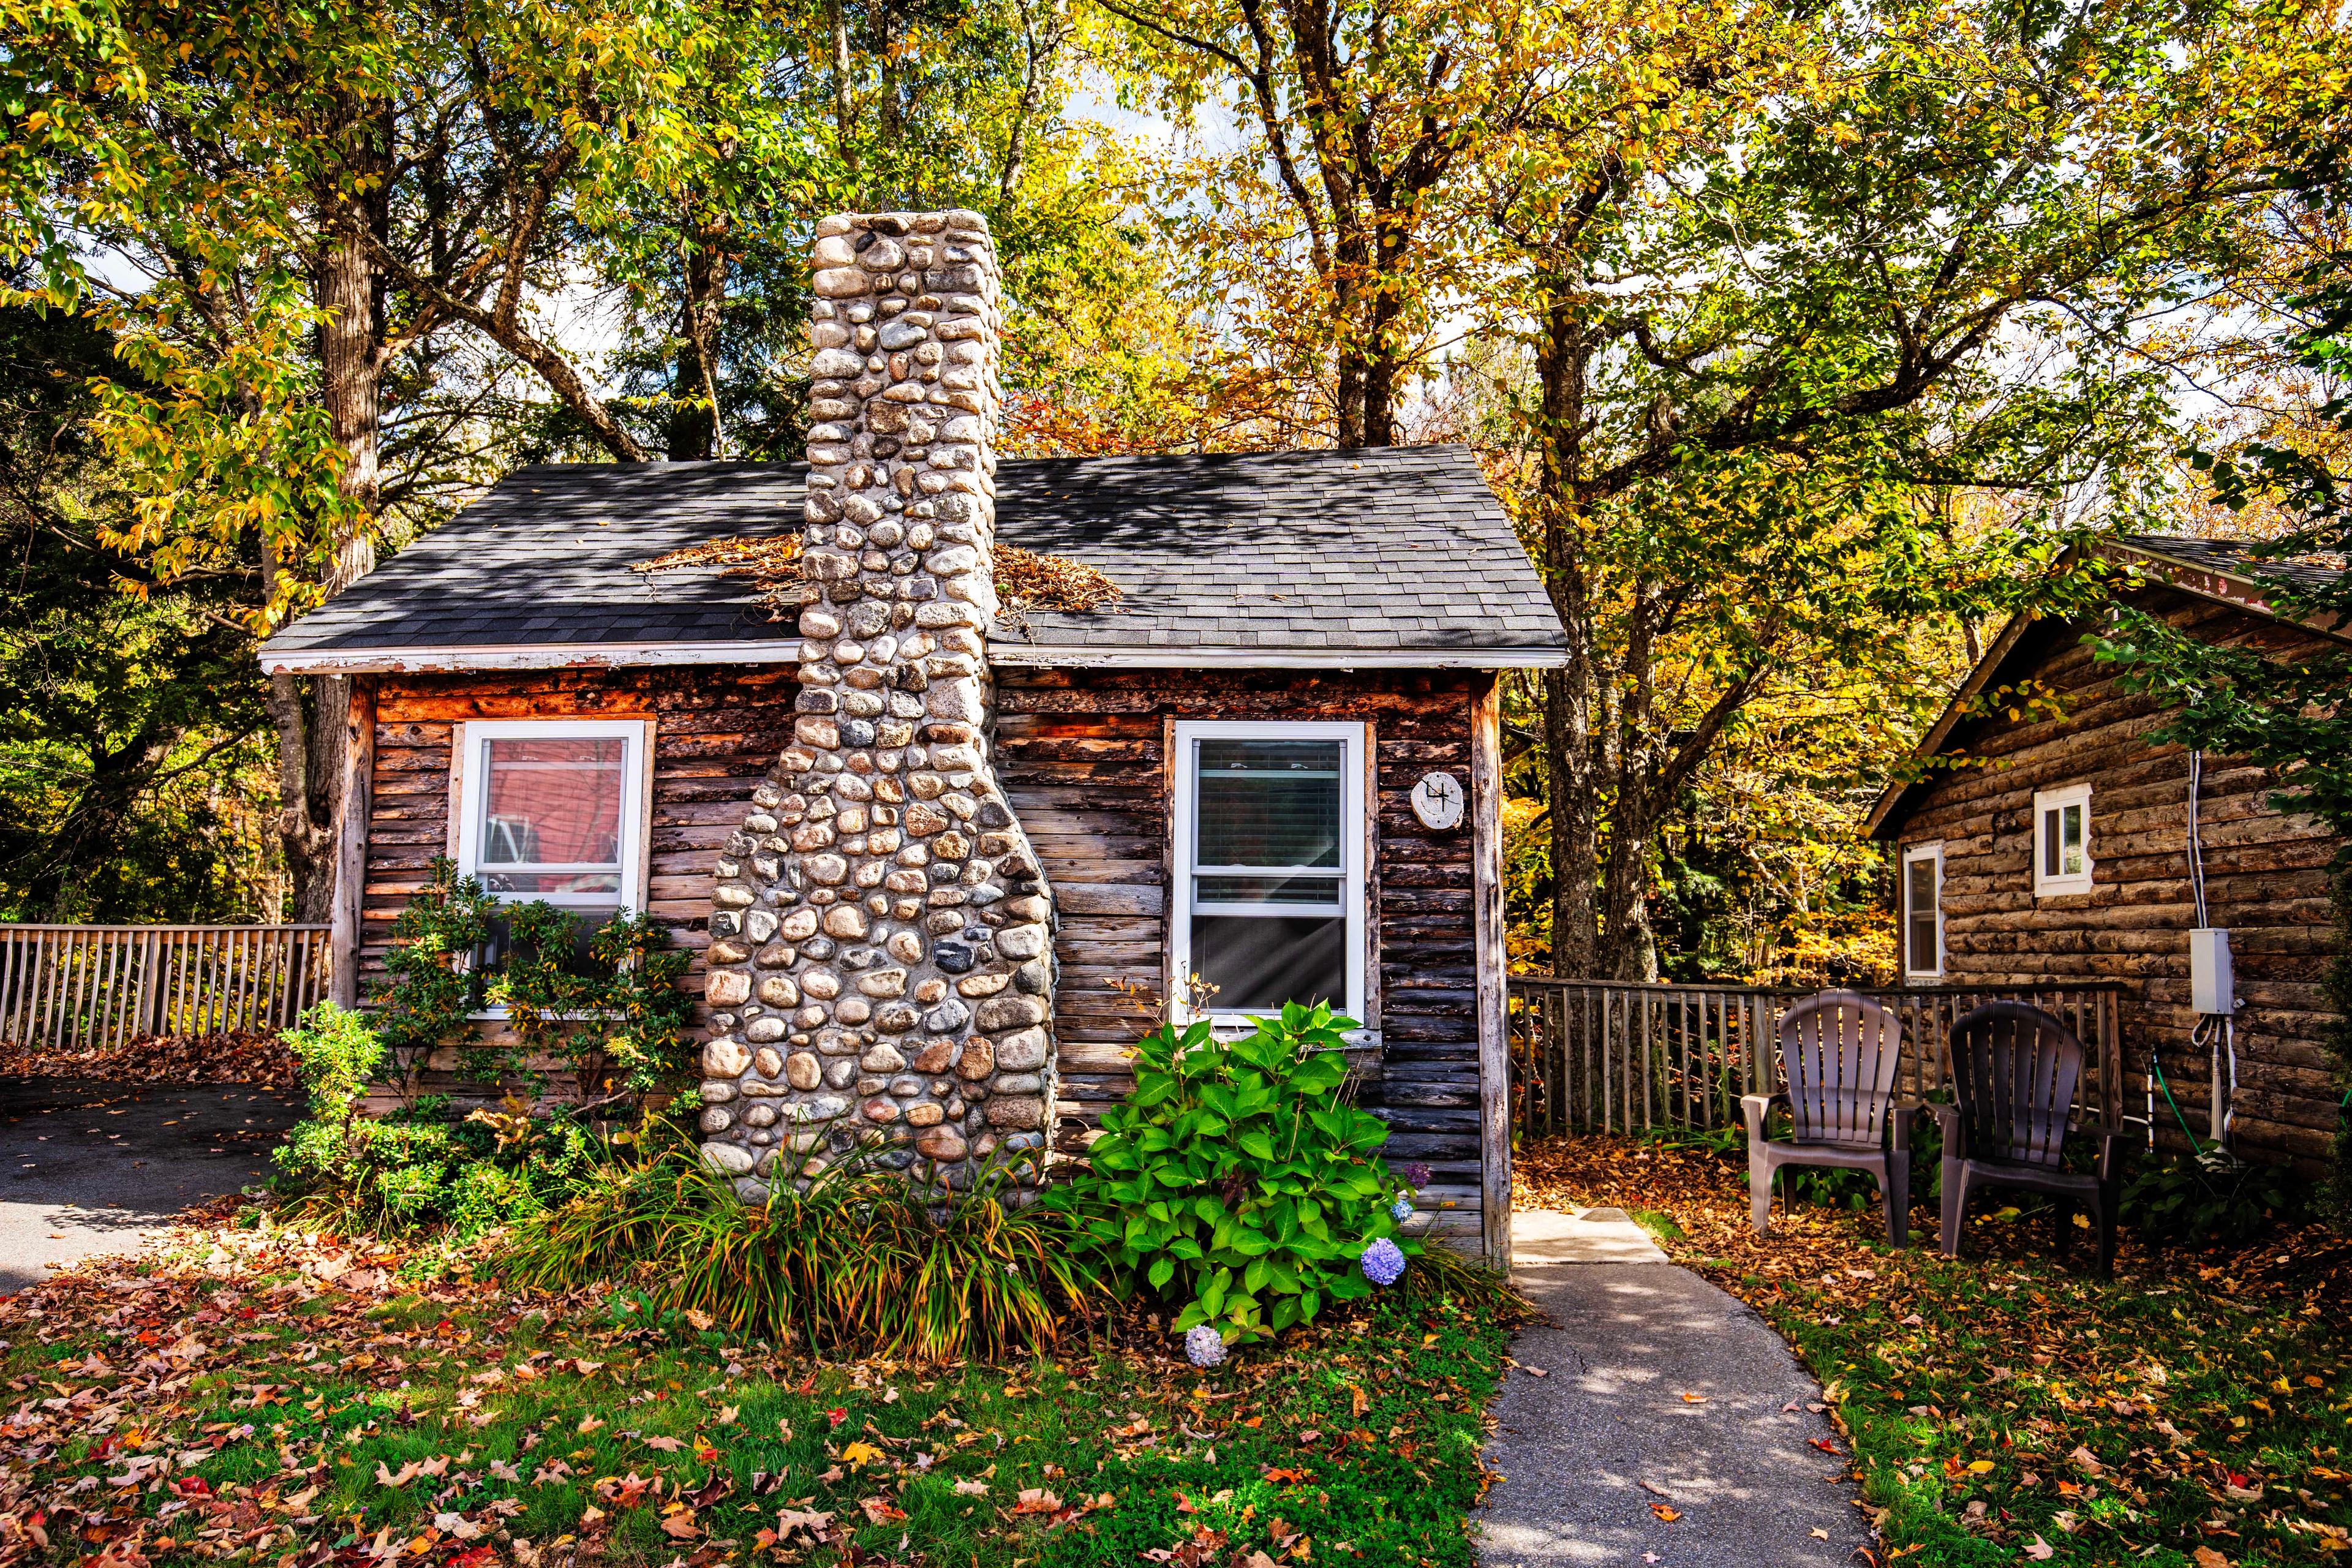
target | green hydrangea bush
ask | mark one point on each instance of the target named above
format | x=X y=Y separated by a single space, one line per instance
x=1237 y=1180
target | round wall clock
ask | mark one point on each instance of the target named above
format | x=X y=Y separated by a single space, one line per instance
x=1437 y=801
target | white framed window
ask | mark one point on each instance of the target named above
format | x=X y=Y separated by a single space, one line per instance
x=2061 y=840
x=1923 y=912
x=554 y=810
x=1271 y=841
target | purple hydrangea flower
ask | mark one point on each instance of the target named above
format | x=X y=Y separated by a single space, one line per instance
x=1204 y=1346
x=1416 y=1174
x=1402 y=1207
x=1384 y=1262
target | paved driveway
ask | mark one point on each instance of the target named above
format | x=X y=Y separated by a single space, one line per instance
x=88 y=1168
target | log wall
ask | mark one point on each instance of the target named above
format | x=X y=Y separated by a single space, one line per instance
x=2266 y=881
x=1084 y=760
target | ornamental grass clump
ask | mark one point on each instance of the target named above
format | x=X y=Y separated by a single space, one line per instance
x=853 y=1263
x=1236 y=1185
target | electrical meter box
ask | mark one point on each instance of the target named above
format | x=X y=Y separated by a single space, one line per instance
x=2211 y=986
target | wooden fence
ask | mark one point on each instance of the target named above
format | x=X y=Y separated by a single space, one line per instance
x=1590 y=1056
x=77 y=988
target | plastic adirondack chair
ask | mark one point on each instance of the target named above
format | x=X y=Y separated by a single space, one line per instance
x=2014 y=1072
x=1839 y=1052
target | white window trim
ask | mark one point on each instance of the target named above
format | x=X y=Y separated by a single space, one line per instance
x=2044 y=801
x=1355 y=850
x=1912 y=855
x=466 y=783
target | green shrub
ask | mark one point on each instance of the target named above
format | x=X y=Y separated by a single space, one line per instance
x=1235 y=1180
x=2212 y=1197
x=617 y=1027
x=854 y=1264
x=422 y=1164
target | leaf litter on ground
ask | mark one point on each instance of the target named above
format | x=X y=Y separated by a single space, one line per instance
x=2009 y=1405
x=259 y=1393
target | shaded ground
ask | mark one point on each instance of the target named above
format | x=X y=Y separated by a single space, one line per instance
x=88 y=1167
x=1652 y=1419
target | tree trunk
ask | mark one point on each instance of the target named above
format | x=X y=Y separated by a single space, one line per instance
x=309 y=785
x=694 y=430
x=845 y=112
x=1561 y=366
x=1628 y=779
x=345 y=284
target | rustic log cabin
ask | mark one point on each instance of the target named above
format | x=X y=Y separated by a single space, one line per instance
x=2045 y=836
x=942 y=858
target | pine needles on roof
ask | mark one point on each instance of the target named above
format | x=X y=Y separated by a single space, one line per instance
x=1025 y=580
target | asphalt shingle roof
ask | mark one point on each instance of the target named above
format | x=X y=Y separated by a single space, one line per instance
x=1394 y=551
x=2233 y=556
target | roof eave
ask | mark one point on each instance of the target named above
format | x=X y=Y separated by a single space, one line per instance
x=786 y=650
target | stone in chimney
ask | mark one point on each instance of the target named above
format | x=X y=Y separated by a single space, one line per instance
x=881 y=965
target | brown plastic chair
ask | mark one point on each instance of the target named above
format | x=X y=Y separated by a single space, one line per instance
x=2014 y=1072
x=1839 y=1052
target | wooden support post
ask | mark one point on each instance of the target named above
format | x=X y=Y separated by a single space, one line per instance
x=351 y=836
x=1486 y=904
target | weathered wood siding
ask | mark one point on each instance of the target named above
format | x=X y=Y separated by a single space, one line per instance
x=1083 y=758
x=1084 y=761
x=2265 y=881
x=716 y=731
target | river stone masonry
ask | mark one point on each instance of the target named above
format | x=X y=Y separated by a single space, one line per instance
x=881 y=962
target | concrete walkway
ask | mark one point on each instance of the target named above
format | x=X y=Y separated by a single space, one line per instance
x=88 y=1168
x=1660 y=1396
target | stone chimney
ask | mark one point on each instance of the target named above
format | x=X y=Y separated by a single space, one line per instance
x=881 y=963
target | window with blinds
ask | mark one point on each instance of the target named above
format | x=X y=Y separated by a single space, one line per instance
x=1270 y=846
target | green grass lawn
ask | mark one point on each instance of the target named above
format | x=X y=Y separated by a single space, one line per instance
x=236 y=1405
x=2009 y=1408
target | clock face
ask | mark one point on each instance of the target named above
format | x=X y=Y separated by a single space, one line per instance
x=1437 y=800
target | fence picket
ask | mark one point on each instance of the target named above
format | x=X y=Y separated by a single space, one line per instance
x=1589 y=1051
x=72 y=987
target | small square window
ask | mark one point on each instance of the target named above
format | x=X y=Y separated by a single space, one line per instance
x=2061 y=841
x=1923 y=912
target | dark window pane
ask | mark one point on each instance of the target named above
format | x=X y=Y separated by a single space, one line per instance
x=2050 y=843
x=1322 y=892
x=577 y=957
x=552 y=803
x=1257 y=964
x=1268 y=803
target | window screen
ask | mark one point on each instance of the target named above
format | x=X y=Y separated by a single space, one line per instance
x=1269 y=922
x=550 y=820
x=1927 y=955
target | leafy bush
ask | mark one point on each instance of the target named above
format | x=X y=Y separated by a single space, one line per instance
x=617 y=1027
x=2212 y=1197
x=854 y=1263
x=1235 y=1180
x=422 y=1165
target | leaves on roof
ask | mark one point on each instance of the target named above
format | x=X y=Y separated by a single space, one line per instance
x=1025 y=580
x=1028 y=581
